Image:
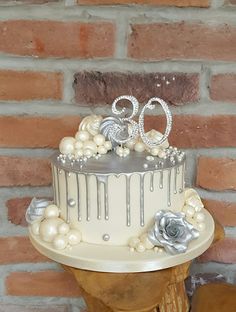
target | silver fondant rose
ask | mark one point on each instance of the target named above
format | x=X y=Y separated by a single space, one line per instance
x=36 y=209
x=172 y=232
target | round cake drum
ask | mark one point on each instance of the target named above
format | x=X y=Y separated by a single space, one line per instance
x=119 y=259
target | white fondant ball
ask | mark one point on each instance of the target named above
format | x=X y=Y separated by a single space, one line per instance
x=199 y=217
x=154 y=151
x=74 y=237
x=108 y=145
x=139 y=147
x=82 y=136
x=35 y=227
x=66 y=145
x=60 y=242
x=48 y=229
x=78 y=144
x=134 y=241
x=190 y=211
x=90 y=145
x=140 y=247
x=51 y=211
x=88 y=152
x=146 y=242
x=130 y=144
x=63 y=228
x=102 y=150
x=99 y=139
x=161 y=153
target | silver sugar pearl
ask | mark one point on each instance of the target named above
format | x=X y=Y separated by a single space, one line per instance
x=145 y=166
x=71 y=202
x=106 y=237
x=150 y=158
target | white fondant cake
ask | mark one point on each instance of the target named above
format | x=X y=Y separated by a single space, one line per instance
x=116 y=185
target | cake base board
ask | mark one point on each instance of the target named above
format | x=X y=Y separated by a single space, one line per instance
x=119 y=259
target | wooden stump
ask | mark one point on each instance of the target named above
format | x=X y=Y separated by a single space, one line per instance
x=157 y=291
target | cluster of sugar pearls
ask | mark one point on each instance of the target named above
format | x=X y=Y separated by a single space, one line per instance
x=88 y=141
x=142 y=243
x=139 y=146
x=193 y=209
x=122 y=151
x=52 y=229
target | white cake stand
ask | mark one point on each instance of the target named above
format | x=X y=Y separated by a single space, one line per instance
x=119 y=259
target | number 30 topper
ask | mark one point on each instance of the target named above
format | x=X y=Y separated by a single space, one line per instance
x=121 y=130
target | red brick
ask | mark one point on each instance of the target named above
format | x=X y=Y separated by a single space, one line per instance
x=46 y=283
x=25 y=131
x=177 y=3
x=32 y=308
x=222 y=87
x=57 y=39
x=16 y=210
x=19 y=249
x=231 y=1
x=218 y=174
x=189 y=131
x=28 y=85
x=21 y=171
x=181 y=41
x=102 y=88
x=225 y=212
x=193 y=131
x=19 y=2
x=223 y=251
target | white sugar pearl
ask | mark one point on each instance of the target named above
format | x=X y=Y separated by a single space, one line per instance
x=154 y=151
x=146 y=242
x=102 y=150
x=66 y=145
x=60 y=242
x=156 y=249
x=48 y=229
x=131 y=249
x=63 y=228
x=190 y=211
x=119 y=149
x=149 y=158
x=99 y=139
x=201 y=226
x=161 y=154
x=35 y=228
x=133 y=241
x=51 y=211
x=88 y=153
x=78 y=144
x=90 y=145
x=126 y=151
x=79 y=153
x=199 y=217
x=74 y=237
x=140 y=247
x=108 y=145
x=139 y=147
x=82 y=136
x=130 y=144
x=161 y=250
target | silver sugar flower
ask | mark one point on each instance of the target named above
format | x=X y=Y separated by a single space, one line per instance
x=36 y=209
x=172 y=232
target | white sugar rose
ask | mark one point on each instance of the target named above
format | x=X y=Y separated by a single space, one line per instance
x=91 y=124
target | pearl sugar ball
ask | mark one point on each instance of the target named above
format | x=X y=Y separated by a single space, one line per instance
x=74 y=237
x=99 y=139
x=139 y=147
x=63 y=228
x=60 y=242
x=48 y=229
x=66 y=145
x=82 y=136
x=51 y=211
x=35 y=227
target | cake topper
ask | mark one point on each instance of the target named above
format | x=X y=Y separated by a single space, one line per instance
x=120 y=130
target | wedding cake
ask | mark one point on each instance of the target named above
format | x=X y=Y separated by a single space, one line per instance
x=116 y=185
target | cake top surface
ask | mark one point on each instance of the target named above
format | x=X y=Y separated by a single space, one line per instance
x=112 y=163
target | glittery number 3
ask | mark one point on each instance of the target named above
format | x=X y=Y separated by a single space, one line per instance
x=150 y=105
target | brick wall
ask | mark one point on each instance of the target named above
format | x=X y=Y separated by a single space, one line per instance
x=61 y=60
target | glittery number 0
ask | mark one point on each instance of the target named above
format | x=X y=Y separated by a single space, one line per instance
x=150 y=105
